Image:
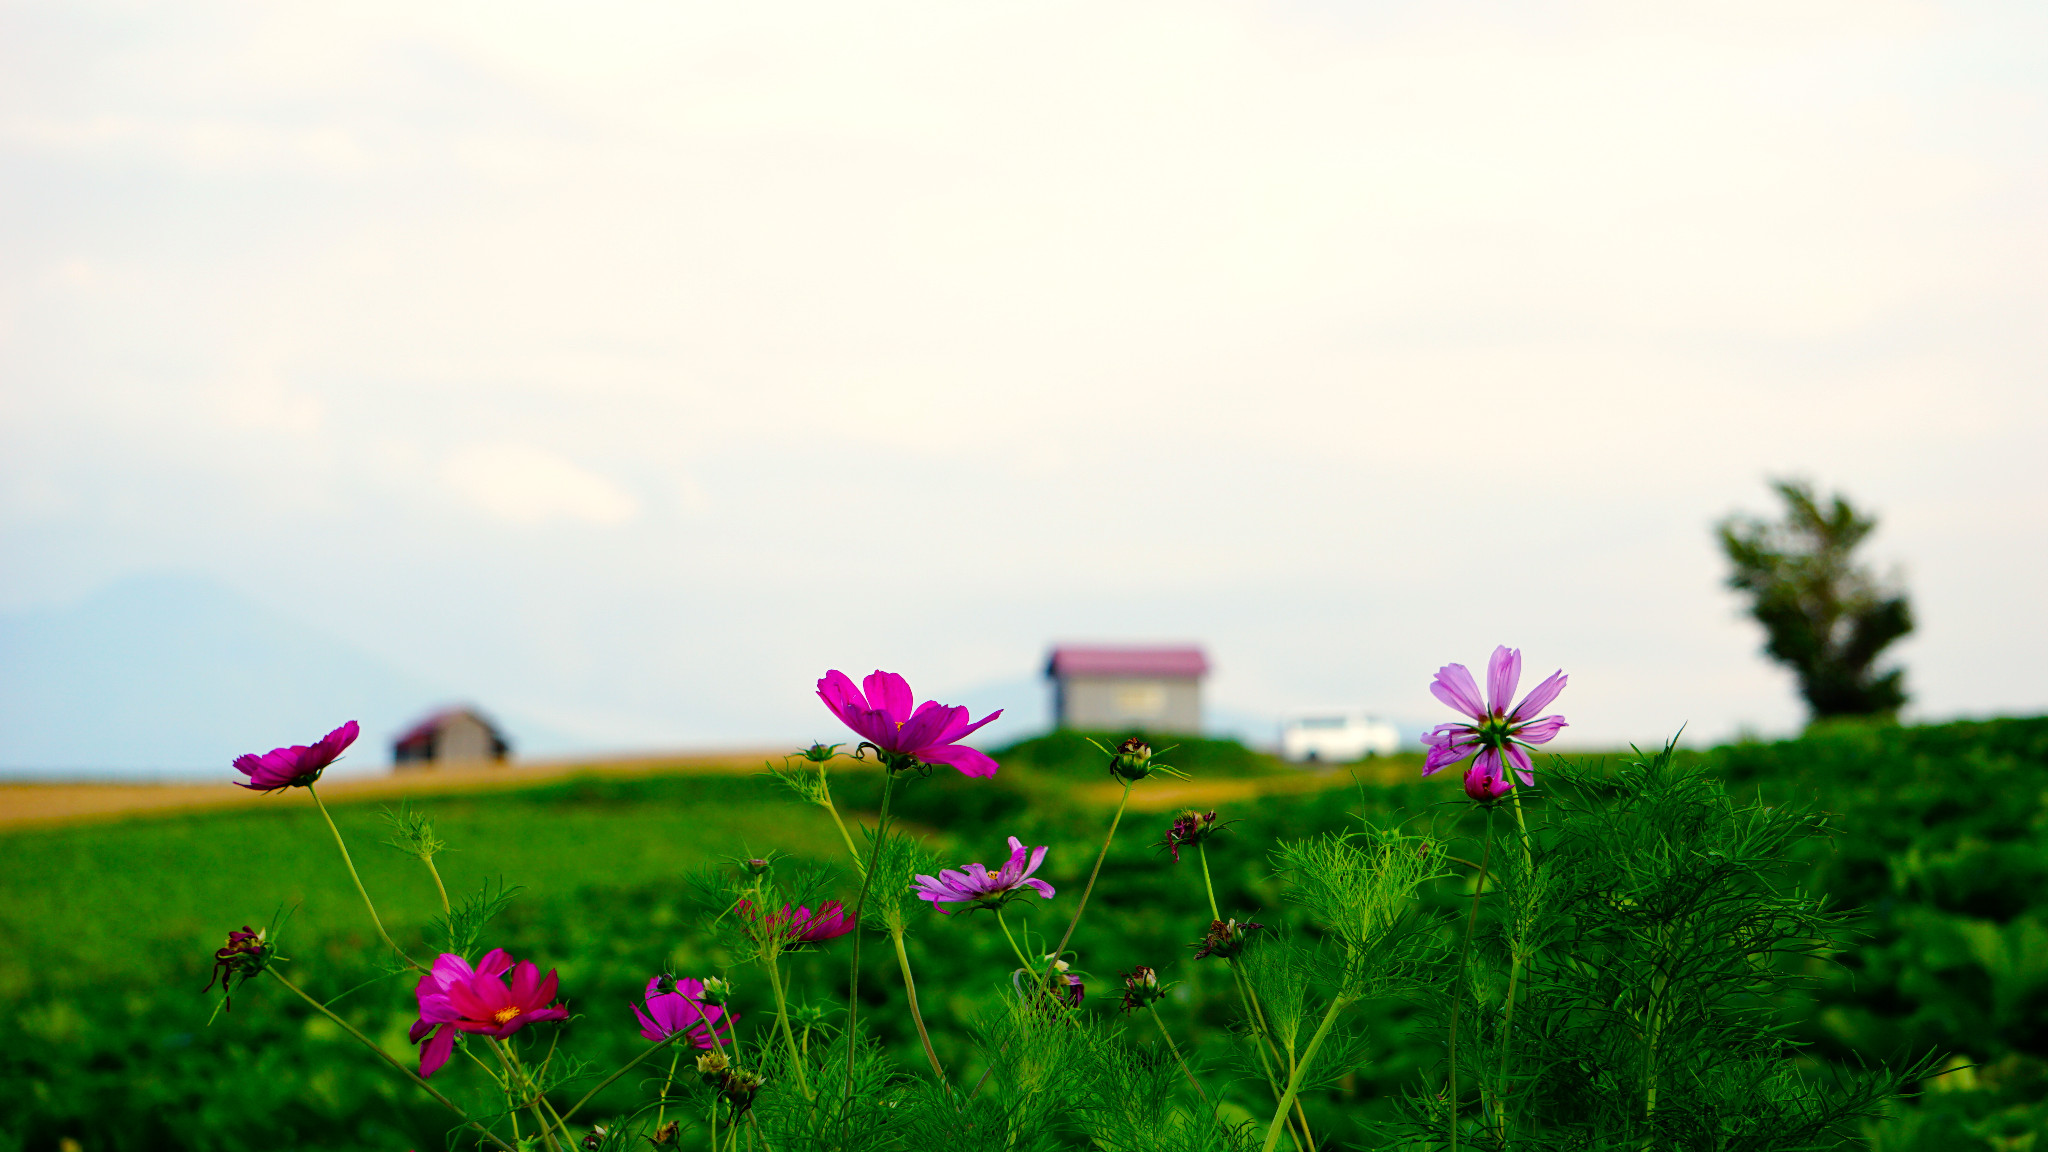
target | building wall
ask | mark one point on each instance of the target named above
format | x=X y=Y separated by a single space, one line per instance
x=464 y=737
x=1148 y=704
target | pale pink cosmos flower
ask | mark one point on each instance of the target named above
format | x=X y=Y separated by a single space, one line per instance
x=1501 y=736
x=977 y=886
x=880 y=710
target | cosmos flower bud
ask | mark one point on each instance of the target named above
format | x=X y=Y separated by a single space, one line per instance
x=595 y=1139
x=716 y=992
x=1486 y=783
x=755 y=866
x=819 y=753
x=739 y=1088
x=1132 y=760
x=1142 y=988
x=1226 y=938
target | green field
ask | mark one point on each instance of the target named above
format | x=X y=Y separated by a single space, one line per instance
x=106 y=931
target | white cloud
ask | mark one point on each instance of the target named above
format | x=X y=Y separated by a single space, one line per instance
x=528 y=485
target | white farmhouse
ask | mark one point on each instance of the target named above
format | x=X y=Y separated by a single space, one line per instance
x=1334 y=735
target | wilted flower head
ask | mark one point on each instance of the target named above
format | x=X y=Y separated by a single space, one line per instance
x=1189 y=829
x=736 y=1086
x=1501 y=736
x=977 y=887
x=679 y=1006
x=594 y=1139
x=1226 y=938
x=665 y=1135
x=883 y=717
x=711 y=1066
x=716 y=991
x=1142 y=988
x=296 y=766
x=1132 y=759
x=798 y=925
x=454 y=997
x=245 y=955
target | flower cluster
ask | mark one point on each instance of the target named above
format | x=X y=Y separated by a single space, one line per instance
x=1501 y=736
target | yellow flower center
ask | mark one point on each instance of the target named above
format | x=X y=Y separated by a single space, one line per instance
x=505 y=1014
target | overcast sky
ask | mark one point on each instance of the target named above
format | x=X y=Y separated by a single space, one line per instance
x=624 y=366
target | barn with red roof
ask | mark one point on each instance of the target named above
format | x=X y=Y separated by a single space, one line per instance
x=1120 y=688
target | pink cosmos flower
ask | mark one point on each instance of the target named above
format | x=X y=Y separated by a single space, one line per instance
x=684 y=1010
x=976 y=886
x=296 y=766
x=801 y=925
x=453 y=997
x=1501 y=736
x=883 y=717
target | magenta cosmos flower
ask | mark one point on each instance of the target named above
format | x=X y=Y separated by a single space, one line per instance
x=454 y=997
x=880 y=711
x=800 y=925
x=976 y=886
x=1502 y=737
x=684 y=1010
x=298 y=765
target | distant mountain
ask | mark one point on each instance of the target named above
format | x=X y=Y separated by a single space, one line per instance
x=171 y=674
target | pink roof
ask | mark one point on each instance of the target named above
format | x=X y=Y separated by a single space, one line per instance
x=1074 y=660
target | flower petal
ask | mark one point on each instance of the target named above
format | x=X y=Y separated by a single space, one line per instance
x=495 y=963
x=922 y=730
x=1454 y=686
x=1503 y=672
x=890 y=694
x=970 y=761
x=1540 y=696
x=1519 y=757
x=1038 y=886
x=437 y=1051
x=1539 y=731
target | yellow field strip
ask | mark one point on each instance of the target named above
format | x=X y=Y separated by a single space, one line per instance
x=29 y=804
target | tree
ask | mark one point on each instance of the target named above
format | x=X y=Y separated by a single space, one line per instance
x=1826 y=617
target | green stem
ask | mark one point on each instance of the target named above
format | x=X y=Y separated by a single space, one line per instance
x=1022 y=961
x=1202 y=850
x=1337 y=1004
x=1052 y=964
x=1464 y=959
x=661 y=1109
x=1177 y=1057
x=843 y=833
x=389 y=1059
x=853 y=975
x=769 y=959
x=1254 y=1012
x=917 y=1017
x=530 y=1088
x=346 y=859
x=628 y=1066
x=446 y=909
